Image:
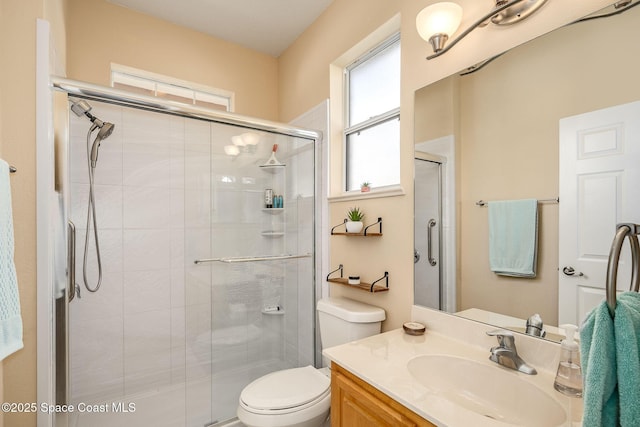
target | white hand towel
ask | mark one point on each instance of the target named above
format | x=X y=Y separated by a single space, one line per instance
x=10 y=319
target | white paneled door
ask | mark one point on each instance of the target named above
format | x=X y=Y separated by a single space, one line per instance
x=599 y=188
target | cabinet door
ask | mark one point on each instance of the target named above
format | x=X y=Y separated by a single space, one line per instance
x=355 y=403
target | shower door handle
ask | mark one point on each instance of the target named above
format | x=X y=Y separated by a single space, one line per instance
x=71 y=261
x=432 y=223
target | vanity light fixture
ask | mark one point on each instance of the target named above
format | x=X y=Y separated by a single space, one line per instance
x=231 y=150
x=438 y=22
x=244 y=143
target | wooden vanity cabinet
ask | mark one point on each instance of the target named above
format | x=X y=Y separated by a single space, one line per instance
x=355 y=403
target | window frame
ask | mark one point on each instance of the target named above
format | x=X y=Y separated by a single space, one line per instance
x=349 y=129
x=158 y=80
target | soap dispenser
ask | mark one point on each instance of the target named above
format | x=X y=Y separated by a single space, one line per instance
x=569 y=377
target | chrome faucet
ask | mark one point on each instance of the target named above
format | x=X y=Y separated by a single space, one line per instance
x=506 y=354
x=535 y=327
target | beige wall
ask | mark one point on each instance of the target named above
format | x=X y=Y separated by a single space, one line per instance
x=17 y=76
x=100 y=33
x=304 y=82
x=17 y=146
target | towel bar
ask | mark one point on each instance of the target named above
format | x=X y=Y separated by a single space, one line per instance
x=483 y=203
x=622 y=231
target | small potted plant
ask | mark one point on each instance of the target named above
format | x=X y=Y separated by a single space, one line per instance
x=365 y=187
x=354 y=220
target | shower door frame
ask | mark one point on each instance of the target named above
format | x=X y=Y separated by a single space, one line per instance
x=98 y=93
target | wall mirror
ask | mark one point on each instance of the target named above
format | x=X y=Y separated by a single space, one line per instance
x=496 y=134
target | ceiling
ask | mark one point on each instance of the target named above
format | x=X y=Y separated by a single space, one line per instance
x=268 y=26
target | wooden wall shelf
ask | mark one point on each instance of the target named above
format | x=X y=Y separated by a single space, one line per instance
x=362 y=286
x=369 y=287
x=361 y=234
x=365 y=232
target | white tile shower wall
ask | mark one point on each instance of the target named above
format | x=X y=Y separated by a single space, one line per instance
x=318 y=119
x=139 y=196
x=160 y=320
x=96 y=322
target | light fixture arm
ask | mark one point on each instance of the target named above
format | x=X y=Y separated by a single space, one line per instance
x=475 y=25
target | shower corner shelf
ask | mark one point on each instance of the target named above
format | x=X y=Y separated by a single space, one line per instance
x=363 y=286
x=364 y=233
x=272 y=168
x=273 y=211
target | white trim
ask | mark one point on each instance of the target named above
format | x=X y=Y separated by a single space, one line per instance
x=337 y=100
x=160 y=79
x=44 y=240
x=375 y=193
x=352 y=128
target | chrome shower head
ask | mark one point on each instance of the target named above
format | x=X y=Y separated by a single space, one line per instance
x=106 y=129
x=82 y=108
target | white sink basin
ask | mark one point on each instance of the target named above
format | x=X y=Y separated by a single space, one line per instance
x=489 y=391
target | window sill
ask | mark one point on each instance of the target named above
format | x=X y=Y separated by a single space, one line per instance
x=375 y=193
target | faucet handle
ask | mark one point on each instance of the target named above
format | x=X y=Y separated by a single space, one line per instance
x=505 y=338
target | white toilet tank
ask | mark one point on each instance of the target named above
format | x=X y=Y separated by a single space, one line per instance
x=343 y=320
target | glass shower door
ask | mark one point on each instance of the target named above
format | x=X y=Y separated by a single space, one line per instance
x=249 y=298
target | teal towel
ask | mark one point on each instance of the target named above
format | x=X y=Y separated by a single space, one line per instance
x=513 y=237
x=10 y=319
x=611 y=364
x=627 y=332
x=598 y=355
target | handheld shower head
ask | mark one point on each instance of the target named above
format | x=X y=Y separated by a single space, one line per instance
x=106 y=129
x=82 y=108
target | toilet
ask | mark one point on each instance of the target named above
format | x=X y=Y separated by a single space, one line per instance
x=301 y=397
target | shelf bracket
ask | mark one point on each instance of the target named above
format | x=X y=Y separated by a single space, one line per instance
x=375 y=223
x=385 y=278
x=340 y=268
x=339 y=225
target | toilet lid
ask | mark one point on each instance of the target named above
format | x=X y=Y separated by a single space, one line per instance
x=285 y=389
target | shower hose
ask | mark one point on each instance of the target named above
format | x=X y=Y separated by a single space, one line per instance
x=91 y=215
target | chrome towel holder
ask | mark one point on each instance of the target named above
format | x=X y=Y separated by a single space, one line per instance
x=622 y=230
x=483 y=203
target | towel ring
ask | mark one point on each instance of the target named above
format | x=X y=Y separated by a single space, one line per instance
x=623 y=230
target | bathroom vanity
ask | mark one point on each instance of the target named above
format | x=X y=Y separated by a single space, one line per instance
x=445 y=378
x=355 y=402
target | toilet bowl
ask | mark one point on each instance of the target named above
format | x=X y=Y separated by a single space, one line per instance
x=301 y=397
x=298 y=397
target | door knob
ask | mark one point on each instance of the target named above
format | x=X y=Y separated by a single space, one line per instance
x=569 y=271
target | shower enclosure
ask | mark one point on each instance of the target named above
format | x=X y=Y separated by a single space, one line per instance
x=204 y=287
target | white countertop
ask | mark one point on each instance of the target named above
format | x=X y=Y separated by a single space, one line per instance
x=381 y=361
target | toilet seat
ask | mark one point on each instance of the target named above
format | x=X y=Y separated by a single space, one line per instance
x=286 y=391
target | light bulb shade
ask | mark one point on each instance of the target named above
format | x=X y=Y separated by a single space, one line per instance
x=238 y=141
x=250 y=138
x=231 y=150
x=439 y=19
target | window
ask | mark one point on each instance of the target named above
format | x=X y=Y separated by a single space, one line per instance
x=146 y=83
x=372 y=134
